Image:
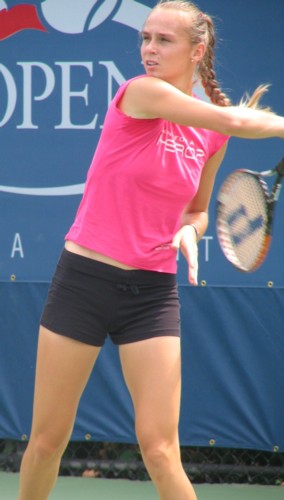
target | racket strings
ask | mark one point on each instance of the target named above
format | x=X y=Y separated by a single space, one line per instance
x=242 y=220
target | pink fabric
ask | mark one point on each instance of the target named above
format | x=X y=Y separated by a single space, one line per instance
x=142 y=175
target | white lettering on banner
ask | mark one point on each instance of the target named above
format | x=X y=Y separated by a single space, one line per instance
x=113 y=73
x=17 y=246
x=11 y=94
x=206 y=240
x=27 y=90
x=67 y=93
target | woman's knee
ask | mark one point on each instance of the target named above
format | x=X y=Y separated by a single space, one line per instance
x=46 y=448
x=160 y=454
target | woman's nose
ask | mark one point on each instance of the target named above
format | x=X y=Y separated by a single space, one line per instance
x=152 y=47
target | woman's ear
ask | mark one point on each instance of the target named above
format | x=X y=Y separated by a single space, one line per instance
x=198 y=52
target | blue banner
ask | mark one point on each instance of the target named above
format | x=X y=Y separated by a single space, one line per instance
x=60 y=65
x=58 y=73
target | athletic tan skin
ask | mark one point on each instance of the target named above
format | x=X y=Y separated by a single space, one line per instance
x=172 y=55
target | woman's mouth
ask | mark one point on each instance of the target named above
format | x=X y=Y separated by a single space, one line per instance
x=151 y=63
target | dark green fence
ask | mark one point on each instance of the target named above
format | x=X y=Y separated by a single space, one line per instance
x=203 y=465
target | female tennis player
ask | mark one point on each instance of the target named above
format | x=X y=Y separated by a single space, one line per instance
x=147 y=195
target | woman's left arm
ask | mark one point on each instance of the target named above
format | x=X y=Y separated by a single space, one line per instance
x=195 y=217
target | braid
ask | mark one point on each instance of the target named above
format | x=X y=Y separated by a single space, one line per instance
x=206 y=71
x=208 y=76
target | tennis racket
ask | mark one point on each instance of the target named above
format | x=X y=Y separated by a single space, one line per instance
x=245 y=213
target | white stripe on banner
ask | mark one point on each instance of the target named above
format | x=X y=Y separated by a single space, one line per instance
x=48 y=191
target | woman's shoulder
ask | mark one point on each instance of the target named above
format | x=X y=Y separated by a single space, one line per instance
x=125 y=84
x=140 y=83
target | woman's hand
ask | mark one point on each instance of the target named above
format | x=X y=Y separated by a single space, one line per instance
x=185 y=240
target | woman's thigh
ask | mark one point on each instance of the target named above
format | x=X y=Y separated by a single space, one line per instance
x=63 y=368
x=152 y=372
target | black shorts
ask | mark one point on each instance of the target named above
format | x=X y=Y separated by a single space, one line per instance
x=88 y=300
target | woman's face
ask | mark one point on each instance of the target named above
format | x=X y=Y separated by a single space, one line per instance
x=166 y=50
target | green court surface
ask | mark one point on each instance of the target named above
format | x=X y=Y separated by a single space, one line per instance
x=71 y=488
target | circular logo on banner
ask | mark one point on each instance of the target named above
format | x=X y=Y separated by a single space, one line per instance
x=68 y=17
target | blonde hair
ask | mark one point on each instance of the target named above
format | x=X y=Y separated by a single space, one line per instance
x=201 y=30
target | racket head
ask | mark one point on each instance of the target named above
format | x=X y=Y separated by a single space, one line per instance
x=243 y=219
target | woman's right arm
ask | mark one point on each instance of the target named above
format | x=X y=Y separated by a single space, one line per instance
x=151 y=97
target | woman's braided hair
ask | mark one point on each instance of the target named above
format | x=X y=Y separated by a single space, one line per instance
x=201 y=30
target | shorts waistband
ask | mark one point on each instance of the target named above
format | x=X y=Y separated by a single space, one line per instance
x=116 y=274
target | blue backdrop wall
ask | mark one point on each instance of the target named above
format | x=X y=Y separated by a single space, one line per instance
x=60 y=65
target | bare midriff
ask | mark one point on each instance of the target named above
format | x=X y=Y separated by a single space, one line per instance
x=90 y=254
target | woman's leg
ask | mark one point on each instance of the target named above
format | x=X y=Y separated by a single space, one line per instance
x=152 y=372
x=63 y=368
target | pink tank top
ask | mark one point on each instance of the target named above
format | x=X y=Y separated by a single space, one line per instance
x=142 y=175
